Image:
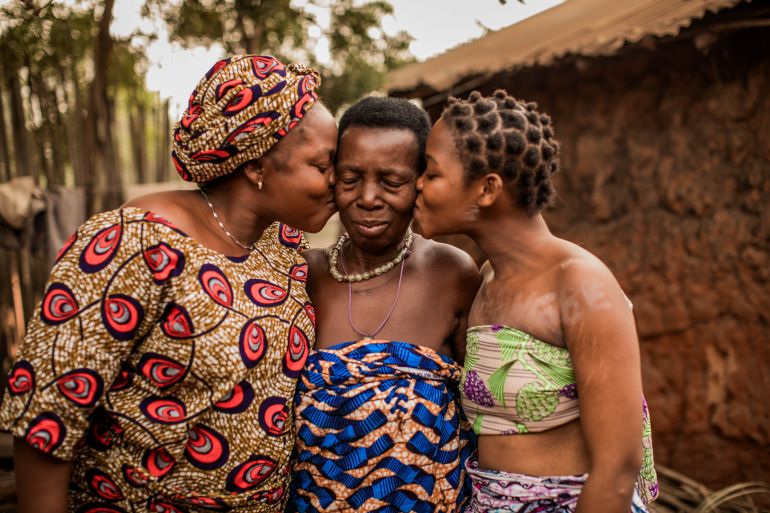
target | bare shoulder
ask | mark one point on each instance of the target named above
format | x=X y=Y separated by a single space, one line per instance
x=448 y=260
x=166 y=204
x=178 y=207
x=583 y=279
x=317 y=259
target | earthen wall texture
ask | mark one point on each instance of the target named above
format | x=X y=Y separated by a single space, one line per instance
x=666 y=177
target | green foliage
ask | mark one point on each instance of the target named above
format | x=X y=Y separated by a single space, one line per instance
x=46 y=41
x=239 y=25
x=361 y=53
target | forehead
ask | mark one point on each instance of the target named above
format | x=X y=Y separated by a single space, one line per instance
x=317 y=132
x=363 y=142
x=441 y=141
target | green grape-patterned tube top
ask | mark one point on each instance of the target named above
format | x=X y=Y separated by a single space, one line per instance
x=514 y=383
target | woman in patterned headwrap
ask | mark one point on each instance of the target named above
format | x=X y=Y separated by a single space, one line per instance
x=158 y=370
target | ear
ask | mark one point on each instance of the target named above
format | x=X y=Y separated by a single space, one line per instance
x=254 y=171
x=491 y=187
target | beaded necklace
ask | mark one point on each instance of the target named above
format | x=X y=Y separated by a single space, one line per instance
x=334 y=254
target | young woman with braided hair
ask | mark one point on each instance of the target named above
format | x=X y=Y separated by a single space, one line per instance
x=552 y=381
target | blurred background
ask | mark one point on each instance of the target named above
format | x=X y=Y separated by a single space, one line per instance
x=662 y=108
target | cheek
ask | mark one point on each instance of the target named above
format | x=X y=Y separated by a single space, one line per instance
x=311 y=182
x=343 y=197
x=435 y=194
x=404 y=203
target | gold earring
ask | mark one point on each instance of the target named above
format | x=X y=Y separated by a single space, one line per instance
x=259 y=184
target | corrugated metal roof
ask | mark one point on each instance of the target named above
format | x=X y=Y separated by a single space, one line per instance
x=578 y=27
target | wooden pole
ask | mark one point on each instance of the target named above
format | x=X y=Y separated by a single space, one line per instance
x=18 y=305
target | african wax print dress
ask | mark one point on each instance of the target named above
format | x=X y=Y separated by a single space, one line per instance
x=164 y=370
x=380 y=428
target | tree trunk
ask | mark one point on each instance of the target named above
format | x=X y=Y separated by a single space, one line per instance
x=56 y=132
x=165 y=154
x=6 y=173
x=38 y=95
x=18 y=126
x=102 y=188
x=137 y=123
x=77 y=139
x=157 y=114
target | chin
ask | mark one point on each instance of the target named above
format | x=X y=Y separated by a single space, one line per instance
x=315 y=226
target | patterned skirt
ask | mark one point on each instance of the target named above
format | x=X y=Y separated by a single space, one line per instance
x=505 y=492
x=379 y=428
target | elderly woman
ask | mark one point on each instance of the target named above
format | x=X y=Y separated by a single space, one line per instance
x=158 y=372
x=378 y=421
x=552 y=380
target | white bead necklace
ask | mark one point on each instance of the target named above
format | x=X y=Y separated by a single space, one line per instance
x=334 y=254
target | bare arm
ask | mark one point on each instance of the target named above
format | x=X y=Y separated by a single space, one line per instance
x=601 y=336
x=317 y=266
x=41 y=480
x=468 y=283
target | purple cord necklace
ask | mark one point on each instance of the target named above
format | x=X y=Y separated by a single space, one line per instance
x=369 y=336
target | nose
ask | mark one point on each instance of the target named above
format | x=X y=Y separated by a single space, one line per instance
x=419 y=182
x=369 y=198
x=332 y=179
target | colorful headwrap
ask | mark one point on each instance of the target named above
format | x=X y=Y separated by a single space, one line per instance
x=238 y=111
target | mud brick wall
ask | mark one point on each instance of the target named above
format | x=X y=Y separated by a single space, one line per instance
x=666 y=177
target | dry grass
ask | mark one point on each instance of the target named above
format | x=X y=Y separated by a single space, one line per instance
x=680 y=494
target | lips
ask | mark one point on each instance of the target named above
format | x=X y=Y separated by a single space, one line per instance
x=370 y=228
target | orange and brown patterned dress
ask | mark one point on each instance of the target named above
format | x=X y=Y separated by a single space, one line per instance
x=164 y=370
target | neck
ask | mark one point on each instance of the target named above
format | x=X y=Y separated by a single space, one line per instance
x=512 y=243
x=238 y=210
x=360 y=259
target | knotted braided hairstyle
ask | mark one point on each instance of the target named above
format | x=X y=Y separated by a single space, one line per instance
x=503 y=135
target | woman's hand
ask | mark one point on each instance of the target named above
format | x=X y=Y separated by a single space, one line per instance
x=601 y=336
x=41 y=480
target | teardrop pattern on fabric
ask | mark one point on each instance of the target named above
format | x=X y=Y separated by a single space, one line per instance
x=273 y=414
x=21 y=378
x=237 y=400
x=298 y=272
x=133 y=476
x=252 y=343
x=163 y=410
x=297 y=352
x=59 y=305
x=249 y=474
x=215 y=284
x=83 y=387
x=206 y=448
x=289 y=236
x=158 y=462
x=176 y=322
x=122 y=315
x=265 y=293
x=163 y=261
x=161 y=370
x=101 y=250
x=101 y=485
x=46 y=432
